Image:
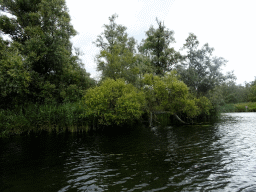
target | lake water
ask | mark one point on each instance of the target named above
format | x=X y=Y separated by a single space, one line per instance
x=216 y=157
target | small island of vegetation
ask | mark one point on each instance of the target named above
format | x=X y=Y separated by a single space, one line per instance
x=44 y=86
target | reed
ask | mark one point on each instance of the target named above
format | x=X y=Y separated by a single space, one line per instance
x=34 y=117
x=245 y=107
x=227 y=108
x=239 y=107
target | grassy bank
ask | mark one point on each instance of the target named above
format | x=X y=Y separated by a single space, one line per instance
x=36 y=118
x=239 y=107
x=59 y=118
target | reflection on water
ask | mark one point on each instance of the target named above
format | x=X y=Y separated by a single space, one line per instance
x=217 y=157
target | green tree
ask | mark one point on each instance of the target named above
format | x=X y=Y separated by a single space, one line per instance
x=252 y=91
x=156 y=47
x=116 y=58
x=144 y=66
x=76 y=80
x=42 y=29
x=168 y=93
x=119 y=65
x=233 y=93
x=200 y=71
x=252 y=94
x=14 y=77
x=114 y=102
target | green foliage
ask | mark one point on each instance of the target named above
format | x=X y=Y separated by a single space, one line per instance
x=43 y=28
x=72 y=93
x=200 y=71
x=156 y=47
x=116 y=58
x=114 y=102
x=227 y=108
x=241 y=107
x=34 y=117
x=144 y=64
x=119 y=65
x=170 y=94
x=233 y=93
x=204 y=105
x=47 y=92
x=14 y=77
x=252 y=93
x=40 y=33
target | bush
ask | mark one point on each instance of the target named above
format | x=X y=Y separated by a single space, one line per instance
x=114 y=102
x=72 y=93
x=170 y=94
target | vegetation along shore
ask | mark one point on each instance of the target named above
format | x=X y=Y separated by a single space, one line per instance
x=44 y=86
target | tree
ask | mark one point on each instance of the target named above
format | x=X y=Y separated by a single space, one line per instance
x=14 y=77
x=156 y=47
x=233 y=93
x=252 y=91
x=167 y=93
x=200 y=71
x=42 y=29
x=114 y=102
x=120 y=64
x=252 y=94
x=116 y=58
x=144 y=66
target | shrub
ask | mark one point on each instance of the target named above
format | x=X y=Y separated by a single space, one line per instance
x=114 y=102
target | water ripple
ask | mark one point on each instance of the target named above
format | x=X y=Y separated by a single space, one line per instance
x=219 y=157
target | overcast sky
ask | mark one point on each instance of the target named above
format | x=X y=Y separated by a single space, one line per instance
x=227 y=25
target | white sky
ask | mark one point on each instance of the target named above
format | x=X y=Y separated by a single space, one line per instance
x=227 y=25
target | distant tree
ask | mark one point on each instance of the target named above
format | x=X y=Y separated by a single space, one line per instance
x=144 y=66
x=233 y=93
x=156 y=47
x=252 y=91
x=116 y=58
x=200 y=71
x=252 y=94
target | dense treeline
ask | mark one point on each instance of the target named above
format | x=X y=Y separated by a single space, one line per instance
x=39 y=70
x=237 y=98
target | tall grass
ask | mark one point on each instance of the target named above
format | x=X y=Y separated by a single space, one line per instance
x=227 y=108
x=34 y=117
x=239 y=107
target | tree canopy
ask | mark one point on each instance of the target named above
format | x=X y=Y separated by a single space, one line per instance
x=116 y=58
x=200 y=70
x=156 y=46
x=114 y=102
x=40 y=31
x=168 y=93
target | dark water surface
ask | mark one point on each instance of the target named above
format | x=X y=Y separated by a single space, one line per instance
x=217 y=157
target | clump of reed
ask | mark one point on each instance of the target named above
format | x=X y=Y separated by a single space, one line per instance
x=227 y=108
x=34 y=117
x=239 y=107
x=245 y=107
